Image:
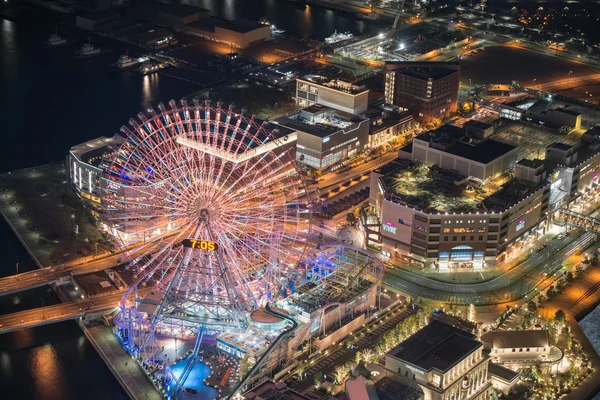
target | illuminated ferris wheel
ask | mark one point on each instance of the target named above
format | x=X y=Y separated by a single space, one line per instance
x=214 y=197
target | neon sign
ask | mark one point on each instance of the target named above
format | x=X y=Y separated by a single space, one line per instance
x=521 y=224
x=389 y=227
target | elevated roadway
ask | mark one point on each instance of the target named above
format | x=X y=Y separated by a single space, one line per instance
x=49 y=275
x=59 y=312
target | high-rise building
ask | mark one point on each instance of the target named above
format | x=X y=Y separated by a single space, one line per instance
x=428 y=89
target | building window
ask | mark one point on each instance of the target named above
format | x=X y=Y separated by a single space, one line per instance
x=480 y=237
x=437 y=380
x=445 y=238
x=514 y=350
x=454 y=238
x=527 y=349
x=520 y=350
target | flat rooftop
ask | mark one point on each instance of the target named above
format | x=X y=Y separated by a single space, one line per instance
x=516 y=339
x=318 y=120
x=433 y=189
x=238 y=25
x=437 y=346
x=502 y=373
x=451 y=140
x=333 y=82
x=91 y=151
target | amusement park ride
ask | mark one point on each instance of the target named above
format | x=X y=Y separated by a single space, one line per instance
x=220 y=195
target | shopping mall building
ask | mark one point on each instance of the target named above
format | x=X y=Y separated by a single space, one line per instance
x=452 y=204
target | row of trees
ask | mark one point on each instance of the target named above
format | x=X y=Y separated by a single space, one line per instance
x=403 y=330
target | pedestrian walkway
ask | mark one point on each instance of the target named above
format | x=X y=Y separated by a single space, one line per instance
x=126 y=370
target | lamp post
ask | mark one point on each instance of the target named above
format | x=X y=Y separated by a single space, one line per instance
x=533 y=83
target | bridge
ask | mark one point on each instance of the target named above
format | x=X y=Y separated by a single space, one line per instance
x=60 y=312
x=578 y=220
x=49 y=275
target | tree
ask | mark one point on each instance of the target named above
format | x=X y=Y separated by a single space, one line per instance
x=339 y=374
x=318 y=379
x=368 y=356
x=560 y=316
x=531 y=307
x=472 y=315
x=570 y=276
x=300 y=369
x=351 y=218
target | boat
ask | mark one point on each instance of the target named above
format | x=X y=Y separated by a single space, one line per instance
x=125 y=62
x=151 y=67
x=88 y=50
x=370 y=16
x=338 y=37
x=55 y=41
x=264 y=21
x=275 y=30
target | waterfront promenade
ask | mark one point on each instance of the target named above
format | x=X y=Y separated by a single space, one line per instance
x=124 y=368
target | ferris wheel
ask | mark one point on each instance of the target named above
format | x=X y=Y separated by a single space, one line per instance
x=215 y=199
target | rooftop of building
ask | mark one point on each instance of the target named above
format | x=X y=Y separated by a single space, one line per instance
x=381 y=120
x=477 y=124
x=389 y=389
x=510 y=193
x=269 y=390
x=238 y=25
x=505 y=374
x=100 y=15
x=333 y=82
x=262 y=316
x=91 y=152
x=433 y=189
x=568 y=111
x=516 y=339
x=437 y=346
x=319 y=120
x=452 y=139
x=180 y=10
x=561 y=146
x=154 y=34
x=531 y=163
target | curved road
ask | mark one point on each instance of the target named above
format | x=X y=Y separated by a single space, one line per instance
x=511 y=286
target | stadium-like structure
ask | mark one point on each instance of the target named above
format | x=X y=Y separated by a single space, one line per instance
x=213 y=213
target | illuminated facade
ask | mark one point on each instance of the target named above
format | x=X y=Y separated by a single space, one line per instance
x=84 y=172
x=446 y=362
x=326 y=136
x=334 y=93
x=437 y=218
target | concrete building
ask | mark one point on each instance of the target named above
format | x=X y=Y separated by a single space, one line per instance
x=518 y=347
x=157 y=38
x=326 y=136
x=478 y=130
x=240 y=33
x=448 y=148
x=503 y=379
x=428 y=89
x=84 y=173
x=334 y=93
x=387 y=125
x=91 y=21
x=175 y=15
x=451 y=204
x=557 y=118
x=446 y=362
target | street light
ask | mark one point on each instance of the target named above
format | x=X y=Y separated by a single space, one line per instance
x=570 y=72
x=534 y=79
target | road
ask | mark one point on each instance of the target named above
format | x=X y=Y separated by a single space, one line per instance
x=45 y=276
x=513 y=285
x=59 y=312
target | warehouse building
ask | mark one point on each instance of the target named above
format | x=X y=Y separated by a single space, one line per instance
x=240 y=33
